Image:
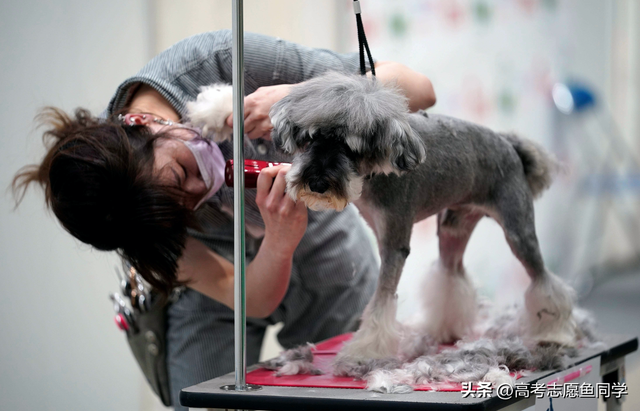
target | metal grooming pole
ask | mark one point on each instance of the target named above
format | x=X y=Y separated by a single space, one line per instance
x=239 y=254
x=239 y=305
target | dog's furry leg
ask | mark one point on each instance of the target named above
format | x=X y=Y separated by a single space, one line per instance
x=449 y=298
x=548 y=300
x=380 y=333
x=378 y=336
x=549 y=304
x=211 y=109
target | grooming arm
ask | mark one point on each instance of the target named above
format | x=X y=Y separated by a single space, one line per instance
x=415 y=86
x=267 y=276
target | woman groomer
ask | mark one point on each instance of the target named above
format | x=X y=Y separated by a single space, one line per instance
x=131 y=186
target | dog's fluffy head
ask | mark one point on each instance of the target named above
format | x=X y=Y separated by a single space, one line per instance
x=341 y=128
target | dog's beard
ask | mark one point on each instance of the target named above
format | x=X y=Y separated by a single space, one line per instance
x=318 y=202
x=327 y=200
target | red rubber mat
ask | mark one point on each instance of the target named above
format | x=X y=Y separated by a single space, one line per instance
x=323 y=356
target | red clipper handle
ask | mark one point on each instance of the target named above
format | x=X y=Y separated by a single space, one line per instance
x=251 y=170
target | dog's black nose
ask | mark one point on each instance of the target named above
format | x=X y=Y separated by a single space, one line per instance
x=318 y=186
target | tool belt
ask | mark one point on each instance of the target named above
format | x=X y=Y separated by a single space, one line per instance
x=148 y=344
x=141 y=313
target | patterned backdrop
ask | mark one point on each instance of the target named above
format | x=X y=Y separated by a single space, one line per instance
x=493 y=62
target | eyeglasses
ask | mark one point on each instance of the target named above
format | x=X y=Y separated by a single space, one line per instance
x=129 y=120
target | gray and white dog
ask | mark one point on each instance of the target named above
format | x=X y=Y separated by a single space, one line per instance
x=354 y=140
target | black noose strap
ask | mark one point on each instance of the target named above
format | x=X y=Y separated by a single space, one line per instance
x=362 y=41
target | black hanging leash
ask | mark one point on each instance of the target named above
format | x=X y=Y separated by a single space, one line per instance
x=362 y=41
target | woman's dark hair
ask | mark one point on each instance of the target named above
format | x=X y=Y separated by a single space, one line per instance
x=97 y=178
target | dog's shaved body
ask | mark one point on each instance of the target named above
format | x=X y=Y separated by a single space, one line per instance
x=353 y=140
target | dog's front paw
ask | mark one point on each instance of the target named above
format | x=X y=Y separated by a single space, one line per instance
x=379 y=334
x=373 y=343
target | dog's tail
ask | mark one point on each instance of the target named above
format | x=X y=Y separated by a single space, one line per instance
x=540 y=166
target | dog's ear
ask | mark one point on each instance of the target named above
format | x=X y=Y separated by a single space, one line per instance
x=286 y=135
x=407 y=149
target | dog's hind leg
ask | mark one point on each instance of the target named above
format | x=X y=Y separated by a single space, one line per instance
x=548 y=300
x=379 y=333
x=448 y=296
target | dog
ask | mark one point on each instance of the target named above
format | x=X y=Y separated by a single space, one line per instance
x=353 y=140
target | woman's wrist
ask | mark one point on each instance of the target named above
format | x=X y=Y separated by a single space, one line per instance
x=278 y=249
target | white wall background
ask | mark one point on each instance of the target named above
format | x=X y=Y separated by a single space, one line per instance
x=59 y=348
x=307 y=22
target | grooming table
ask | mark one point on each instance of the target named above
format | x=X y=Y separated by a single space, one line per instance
x=210 y=395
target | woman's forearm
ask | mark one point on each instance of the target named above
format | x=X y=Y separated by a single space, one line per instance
x=267 y=276
x=268 y=279
x=416 y=86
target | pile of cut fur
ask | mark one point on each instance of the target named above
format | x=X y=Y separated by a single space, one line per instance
x=495 y=351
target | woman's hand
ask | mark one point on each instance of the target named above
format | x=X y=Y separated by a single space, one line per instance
x=285 y=220
x=415 y=86
x=268 y=275
x=256 y=110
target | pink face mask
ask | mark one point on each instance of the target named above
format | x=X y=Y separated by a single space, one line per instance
x=210 y=163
